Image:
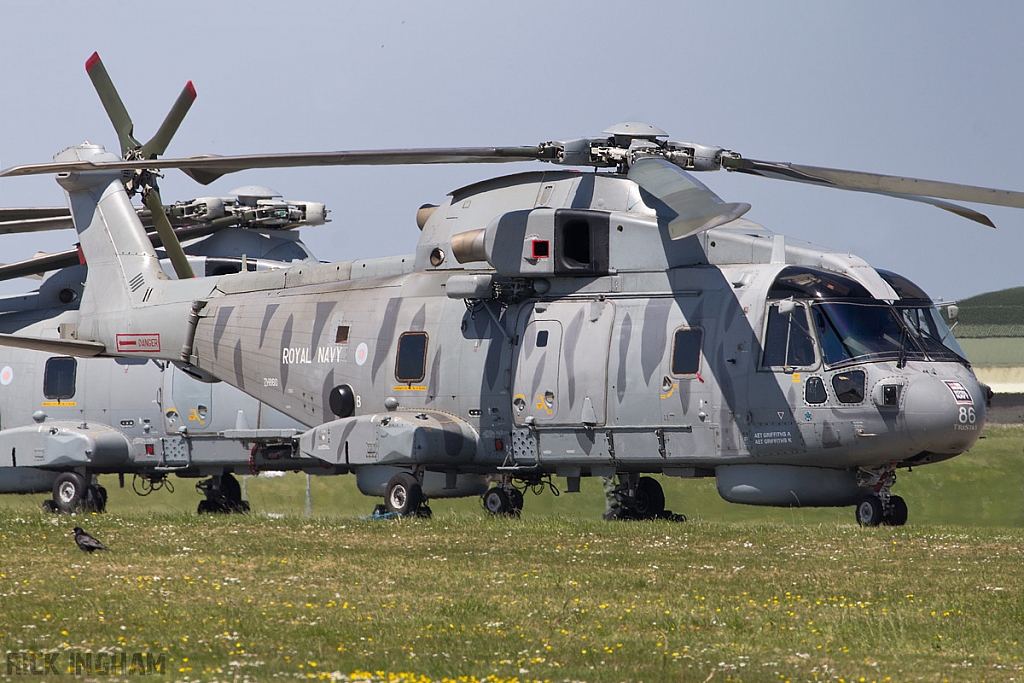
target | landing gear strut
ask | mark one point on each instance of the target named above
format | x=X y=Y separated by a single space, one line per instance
x=223 y=495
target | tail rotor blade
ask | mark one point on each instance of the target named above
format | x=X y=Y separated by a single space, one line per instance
x=163 y=228
x=158 y=144
x=116 y=110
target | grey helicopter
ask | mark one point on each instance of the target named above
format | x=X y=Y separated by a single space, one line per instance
x=618 y=321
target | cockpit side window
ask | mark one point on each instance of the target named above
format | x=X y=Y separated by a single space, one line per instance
x=686 y=351
x=849 y=386
x=814 y=391
x=787 y=337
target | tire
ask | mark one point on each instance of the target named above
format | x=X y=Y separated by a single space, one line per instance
x=649 y=502
x=69 y=492
x=869 y=511
x=496 y=501
x=404 y=494
x=95 y=499
x=897 y=513
x=515 y=497
x=209 y=507
x=230 y=489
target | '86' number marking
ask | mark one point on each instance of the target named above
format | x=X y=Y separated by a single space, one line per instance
x=967 y=416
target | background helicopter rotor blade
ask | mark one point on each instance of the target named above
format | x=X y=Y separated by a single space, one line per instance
x=34 y=219
x=693 y=206
x=116 y=110
x=157 y=145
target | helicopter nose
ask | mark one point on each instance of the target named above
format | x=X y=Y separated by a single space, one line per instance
x=944 y=416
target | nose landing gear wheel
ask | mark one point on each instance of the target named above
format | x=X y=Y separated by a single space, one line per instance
x=869 y=511
x=896 y=515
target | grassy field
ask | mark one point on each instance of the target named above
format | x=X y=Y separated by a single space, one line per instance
x=735 y=594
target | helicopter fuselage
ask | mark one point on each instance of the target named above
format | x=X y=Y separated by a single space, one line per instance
x=687 y=369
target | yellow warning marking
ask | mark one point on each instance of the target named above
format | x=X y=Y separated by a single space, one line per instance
x=409 y=387
x=675 y=385
x=58 y=403
x=541 y=405
x=796 y=378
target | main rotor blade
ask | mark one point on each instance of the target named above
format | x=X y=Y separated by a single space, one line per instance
x=68 y=347
x=694 y=206
x=116 y=110
x=158 y=143
x=875 y=182
x=206 y=169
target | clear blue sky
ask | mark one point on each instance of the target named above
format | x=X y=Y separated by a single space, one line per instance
x=924 y=89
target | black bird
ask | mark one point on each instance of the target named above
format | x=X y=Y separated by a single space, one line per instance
x=87 y=542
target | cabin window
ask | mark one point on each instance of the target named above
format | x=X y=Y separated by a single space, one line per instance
x=341 y=335
x=59 y=378
x=542 y=339
x=787 y=338
x=849 y=386
x=814 y=391
x=411 y=364
x=686 y=351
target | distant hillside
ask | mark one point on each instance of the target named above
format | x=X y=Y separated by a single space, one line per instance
x=993 y=314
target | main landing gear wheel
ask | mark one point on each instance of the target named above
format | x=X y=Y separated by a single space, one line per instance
x=404 y=494
x=870 y=511
x=70 y=492
x=504 y=502
x=647 y=501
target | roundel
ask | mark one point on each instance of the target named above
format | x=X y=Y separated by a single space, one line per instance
x=6 y=375
x=342 y=400
x=362 y=353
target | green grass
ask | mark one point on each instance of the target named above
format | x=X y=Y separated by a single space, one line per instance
x=542 y=599
x=735 y=594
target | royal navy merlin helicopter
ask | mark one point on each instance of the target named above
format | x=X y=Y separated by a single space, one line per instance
x=618 y=321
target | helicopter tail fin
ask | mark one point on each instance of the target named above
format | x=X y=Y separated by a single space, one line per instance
x=123 y=265
x=129 y=304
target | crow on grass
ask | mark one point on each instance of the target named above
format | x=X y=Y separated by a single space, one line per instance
x=86 y=542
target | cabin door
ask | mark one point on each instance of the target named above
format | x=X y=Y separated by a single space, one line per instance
x=561 y=363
